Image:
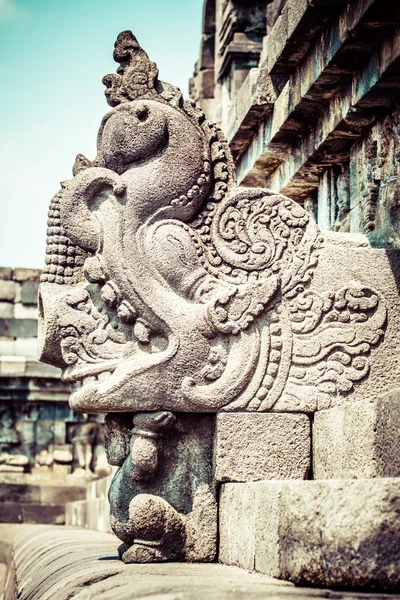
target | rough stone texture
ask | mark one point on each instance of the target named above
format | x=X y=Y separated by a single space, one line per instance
x=330 y=136
x=342 y=533
x=168 y=288
x=29 y=292
x=57 y=564
x=164 y=490
x=215 y=309
x=252 y=447
x=22 y=502
x=358 y=440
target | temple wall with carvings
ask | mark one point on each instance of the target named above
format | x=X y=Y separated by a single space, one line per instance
x=308 y=97
x=41 y=437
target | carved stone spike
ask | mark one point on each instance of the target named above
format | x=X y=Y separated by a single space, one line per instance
x=169 y=290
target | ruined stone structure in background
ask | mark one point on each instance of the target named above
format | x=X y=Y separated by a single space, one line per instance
x=37 y=426
x=308 y=97
x=220 y=331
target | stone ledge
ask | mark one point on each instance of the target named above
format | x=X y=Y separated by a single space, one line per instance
x=53 y=563
x=60 y=563
x=338 y=533
x=328 y=102
x=251 y=105
x=290 y=38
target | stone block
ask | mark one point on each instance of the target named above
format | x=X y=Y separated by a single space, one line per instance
x=5 y=273
x=10 y=513
x=26 y=347
x=34 y=368
x=276 y=40
x=6 y=310
x=98 y=488
x=18 y=328
x=75 y=513
x=7 y=290
x=358 y=440
x=236 y=525
x=39 y=513
x=12 y=366
x=7 y=347
x=254 y=446
x=343 y=533
x=61 y=472
x=17 y=493
x=21 y=274
x=29 y=293
x=206 y=83
x=98 y=514
x=22 y=311
x=59 y=494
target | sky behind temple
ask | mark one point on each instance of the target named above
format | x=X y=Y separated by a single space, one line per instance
x=53 y=55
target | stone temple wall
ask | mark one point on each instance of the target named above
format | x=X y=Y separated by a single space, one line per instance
x=307 y=94
x=40 y=434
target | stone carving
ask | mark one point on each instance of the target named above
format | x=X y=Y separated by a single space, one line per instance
x=167 y=288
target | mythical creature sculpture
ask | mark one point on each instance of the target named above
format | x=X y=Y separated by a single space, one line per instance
x=168 y=288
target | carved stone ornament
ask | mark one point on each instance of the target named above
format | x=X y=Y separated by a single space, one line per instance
x=169 y=288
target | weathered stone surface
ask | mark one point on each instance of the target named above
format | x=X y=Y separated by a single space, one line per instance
x=29 y=293
x=21 y=311
x=40 y=513
x=358 y=440
x=5 y=273
x=61 y=563
x=164 y=490
x=168 y=288
x=14 y=493
x=6 y=310
x=343 y=533
x=21 y=274
x=252 y=447
x=7 y=290
x=61 y=494
x=18 y=328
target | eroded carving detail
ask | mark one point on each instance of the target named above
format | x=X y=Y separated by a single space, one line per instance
x=170 y=289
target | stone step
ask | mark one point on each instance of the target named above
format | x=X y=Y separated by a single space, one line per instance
x=51 y=514
x=40 y=494
x=58 y=563
x=26 y=503
x=334 y=533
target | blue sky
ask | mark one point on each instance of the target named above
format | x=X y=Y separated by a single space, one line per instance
x=53 y=55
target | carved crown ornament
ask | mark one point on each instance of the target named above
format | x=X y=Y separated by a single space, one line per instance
x=168 y=287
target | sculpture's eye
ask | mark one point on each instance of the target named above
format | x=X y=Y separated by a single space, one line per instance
x=143 y=113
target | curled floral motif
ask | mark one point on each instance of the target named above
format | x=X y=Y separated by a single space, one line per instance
x=258 y=231
x=333 y=334
x=307 y=310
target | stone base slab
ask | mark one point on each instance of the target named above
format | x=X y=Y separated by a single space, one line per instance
x=339 y=533
x=60 y=563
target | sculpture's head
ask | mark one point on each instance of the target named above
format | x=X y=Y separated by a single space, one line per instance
x=158 y=158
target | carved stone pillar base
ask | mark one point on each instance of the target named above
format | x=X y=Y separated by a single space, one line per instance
x=162 y=499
